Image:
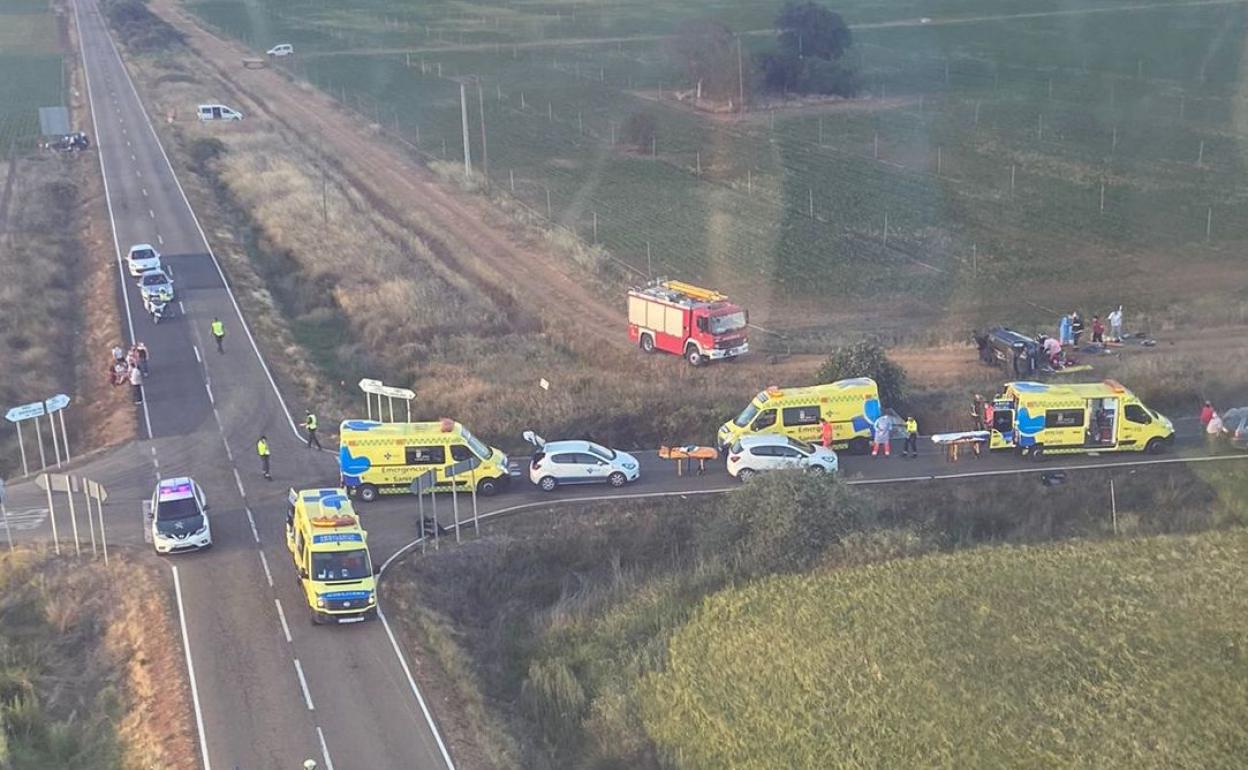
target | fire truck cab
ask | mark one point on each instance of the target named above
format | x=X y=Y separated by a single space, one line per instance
x=699 y=324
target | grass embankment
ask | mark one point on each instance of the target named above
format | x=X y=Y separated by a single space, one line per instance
x=543 y=634
x=1112 y=655
x=89 y=674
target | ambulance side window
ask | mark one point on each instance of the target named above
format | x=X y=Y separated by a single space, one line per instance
x=1063 y=418
x=1137 y=414
x=801 y=415
x=765 y=419
x=459 y=453
x=426 y=455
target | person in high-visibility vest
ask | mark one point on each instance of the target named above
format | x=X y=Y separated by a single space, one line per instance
x=911 y=448
x=218 y=334
x=309 y=423
x=262 y=449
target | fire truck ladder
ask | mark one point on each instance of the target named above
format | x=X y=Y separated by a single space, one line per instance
x=694 y=292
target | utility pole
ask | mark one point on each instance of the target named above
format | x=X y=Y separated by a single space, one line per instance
x=463 y=113
x=485 y=153
x=740 y=79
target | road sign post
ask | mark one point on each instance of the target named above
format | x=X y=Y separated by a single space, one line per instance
x=21 y=447
x=100 y=494
x=86 y=498
x=33 y=411
x=70 y=489
x=377 y=388
x=47 y=487
x=418 y=487
x=4 y=512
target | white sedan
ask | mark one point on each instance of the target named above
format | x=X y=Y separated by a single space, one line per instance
x=578 y=462
x=141 y=258
x=752 y=454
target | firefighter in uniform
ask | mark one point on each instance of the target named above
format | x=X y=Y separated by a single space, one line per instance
x=309 y=423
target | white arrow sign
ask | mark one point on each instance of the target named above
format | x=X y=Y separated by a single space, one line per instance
x=371 y=386
x=57 y=402
x=24 y=412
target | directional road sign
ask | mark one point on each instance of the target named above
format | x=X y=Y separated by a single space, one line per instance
x=463 y=465
x=24 y=412
x=422 y=483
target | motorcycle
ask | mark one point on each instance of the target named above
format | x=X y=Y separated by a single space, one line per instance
x=157 y=308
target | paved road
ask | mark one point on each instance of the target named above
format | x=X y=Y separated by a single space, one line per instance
x=271 y=690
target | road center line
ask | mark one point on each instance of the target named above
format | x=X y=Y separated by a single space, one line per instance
x=160 y=239
x=190 y=669
x=208 y=387
x=239 y=480
x=144 y=192
x=151 y=213
x=267 y=575
x=252 y=521
x=329 y=763
x=281 y=614
x=303 y=683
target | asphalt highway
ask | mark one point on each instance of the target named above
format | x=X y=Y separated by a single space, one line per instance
x=270 y=689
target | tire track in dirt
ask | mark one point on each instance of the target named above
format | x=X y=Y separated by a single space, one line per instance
x=456 y=229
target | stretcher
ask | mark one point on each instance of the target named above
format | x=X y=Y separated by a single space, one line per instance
x=956 y=443
x=687 y=454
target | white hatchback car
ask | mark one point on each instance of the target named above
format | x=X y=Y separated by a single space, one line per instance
x=141 y=258
x=179 y=521
x=578 y=462
x=749 y=455
x=281 y=49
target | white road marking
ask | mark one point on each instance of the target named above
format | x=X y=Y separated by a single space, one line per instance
x=127 y=142
x=208 y=387
x=424 y=709
x=144 y=192
x=267 y=575
x=252 y=521
x=193 y=347
x=160 y=239
x=132 y=157
x=147 y=514
x=239 y=480
x=151 y=213
x=190 y=664
x=229 y=454
x=282 y=616
x=329 y=763
x=26 y=519
x=182 y=309
x=138 y=173
x=303 y=683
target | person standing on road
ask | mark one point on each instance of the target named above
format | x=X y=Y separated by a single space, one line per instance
x=1076 y=327
x=826 y=434
x=143 y=353
x=1098 y=330
x=1206 y=414
x=1214 y=431
x=136 y=384
x=309 y=423
x=883 y=436
x=218 y=334
x=912 y=438
x=262 y=449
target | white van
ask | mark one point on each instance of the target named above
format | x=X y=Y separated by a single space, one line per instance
x=282 y=49
x=218 y=112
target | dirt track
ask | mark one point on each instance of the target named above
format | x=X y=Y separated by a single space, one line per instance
x=504 y=260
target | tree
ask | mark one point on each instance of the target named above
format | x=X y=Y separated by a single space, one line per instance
x=640 y=130
x=708 y=53
x=866 y=359
x=813 y=41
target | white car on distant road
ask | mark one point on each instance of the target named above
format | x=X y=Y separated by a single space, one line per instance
x=281 y=49
x=578 y=462
x=752 y=454
x=179 y=521
x=141 y=258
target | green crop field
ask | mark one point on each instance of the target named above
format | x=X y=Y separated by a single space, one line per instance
x=30 y=71
x=1128 y=654
x=1043 y=147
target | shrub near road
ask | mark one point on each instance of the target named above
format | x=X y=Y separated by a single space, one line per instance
x=1111 y=655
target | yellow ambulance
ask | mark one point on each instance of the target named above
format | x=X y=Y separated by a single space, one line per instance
x=852 y=406
x=1037 y=419
x=330 y=551
x=384 y=457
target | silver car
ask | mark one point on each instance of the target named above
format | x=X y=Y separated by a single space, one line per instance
x=156 y=284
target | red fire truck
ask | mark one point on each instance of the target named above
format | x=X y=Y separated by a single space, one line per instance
x=675 y=317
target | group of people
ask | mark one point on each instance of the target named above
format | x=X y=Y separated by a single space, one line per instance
x=130 y=367
x=1215 y=429
x=881 y=436
x=1070 y=328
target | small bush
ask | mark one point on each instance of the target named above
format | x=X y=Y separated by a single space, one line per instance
x=640 y=131
x=139 y=28
x=866 y=359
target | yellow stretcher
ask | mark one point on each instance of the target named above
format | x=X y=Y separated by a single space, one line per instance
x=687 y=454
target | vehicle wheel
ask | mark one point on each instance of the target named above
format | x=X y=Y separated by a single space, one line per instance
x=694 y=356
x=367 y=493
x=745 y=474
x=487 y=487
x=859 y=446
x=617 y=479
x=647 y=343
x=1037 y=454
x=316 y=619
x=1155 y=446
x=547 y=483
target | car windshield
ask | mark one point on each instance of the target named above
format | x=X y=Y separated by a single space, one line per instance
x=602 y=452
x=142 y=254
x=728 y=322
x=340 y=565
x=154 y=279
x=479 y=449
x=802 y=446
x=167 y=510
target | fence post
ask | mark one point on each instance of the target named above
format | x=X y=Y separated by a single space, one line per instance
x=1102 y=197
x=1011 y=179
x=885 y=228
x=511 y=178
x=1209 y=224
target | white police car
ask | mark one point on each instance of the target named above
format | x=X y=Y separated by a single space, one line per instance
x=178 y=519
x=578 y=462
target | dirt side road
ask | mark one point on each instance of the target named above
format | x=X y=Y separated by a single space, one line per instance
x=458 y=228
